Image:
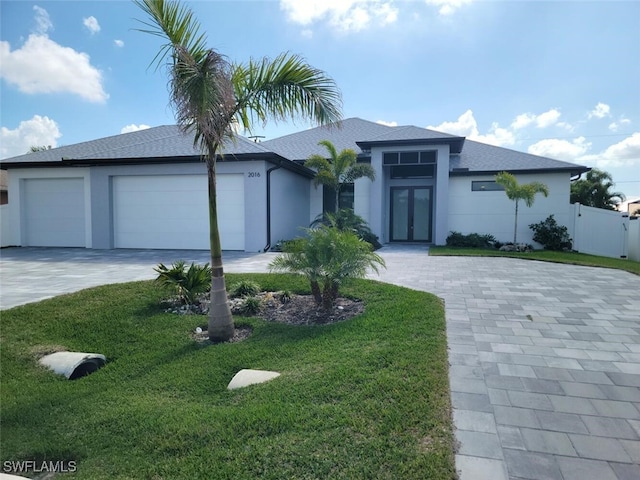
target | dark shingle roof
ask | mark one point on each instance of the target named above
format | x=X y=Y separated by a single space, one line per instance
x=301 y=145
x=166 y=142
x=482 y=158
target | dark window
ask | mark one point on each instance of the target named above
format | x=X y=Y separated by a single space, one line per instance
x=412 y=171
x=428 y=157
x=345 y=200
x=486 y=186
x=409 y=158
x=346 y=196
x=390 y=159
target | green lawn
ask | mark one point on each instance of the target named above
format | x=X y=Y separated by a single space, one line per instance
x=367 y=398
x=545 y=255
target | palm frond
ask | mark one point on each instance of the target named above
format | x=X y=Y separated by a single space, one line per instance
x=359 y=170
x=175 y=23
x=284 y=88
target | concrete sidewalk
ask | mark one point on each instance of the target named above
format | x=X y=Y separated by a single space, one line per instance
x=545 y=358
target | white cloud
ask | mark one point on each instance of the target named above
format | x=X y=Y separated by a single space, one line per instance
x=523 y=120
x=467 y=126
x=547 y=118
x=91 y=23
x=447 y=7
x=543 y=120
x=565 y=125
x=43 y=66
x=601 y=110
x=35 y=132
x=43 y=22
x=134 y=128
x=497 y=136
x=119 y=43
x=625 y=121
x=561 y=149
x=344 y=15
x=613 y=127
x=307 y=33
x=624 y=153
x=388 y=124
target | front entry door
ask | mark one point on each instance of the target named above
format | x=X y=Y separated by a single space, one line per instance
x=411 y=214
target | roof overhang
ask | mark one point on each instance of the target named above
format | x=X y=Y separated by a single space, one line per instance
x=455 y=143
x=106 y=162
x=573 y=171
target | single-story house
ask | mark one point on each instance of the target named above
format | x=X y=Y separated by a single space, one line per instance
x=148 y=189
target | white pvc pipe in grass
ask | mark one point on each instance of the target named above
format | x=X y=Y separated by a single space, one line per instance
x=73 y=364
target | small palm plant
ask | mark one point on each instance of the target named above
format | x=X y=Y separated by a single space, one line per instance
x=516 y=192
x=186 y=283
x=328 y=258
x=345 y=219
x=339 y=169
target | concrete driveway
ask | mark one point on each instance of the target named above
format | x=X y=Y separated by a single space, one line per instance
x=545 y=358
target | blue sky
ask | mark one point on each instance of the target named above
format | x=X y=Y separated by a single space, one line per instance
x=559 y=79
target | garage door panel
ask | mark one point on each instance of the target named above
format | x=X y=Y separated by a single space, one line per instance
x=165 y=211
x=53 y=212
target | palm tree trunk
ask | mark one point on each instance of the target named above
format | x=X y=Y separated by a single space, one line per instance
x=327 y=295
x=315 y=290
x=515 y=228
x=220 y=326
x=337 y=201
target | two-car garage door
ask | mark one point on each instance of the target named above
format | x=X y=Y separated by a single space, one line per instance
x=171 y=211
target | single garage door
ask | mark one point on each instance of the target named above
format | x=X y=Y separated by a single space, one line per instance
x=53 y=212
x=171 y=211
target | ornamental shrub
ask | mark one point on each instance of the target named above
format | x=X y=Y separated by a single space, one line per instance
x=473 y=240
x=551 y=235
x=186 y=283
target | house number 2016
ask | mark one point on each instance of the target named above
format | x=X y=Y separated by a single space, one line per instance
x=254 y=174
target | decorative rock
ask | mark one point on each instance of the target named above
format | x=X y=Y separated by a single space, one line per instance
x=248 y=377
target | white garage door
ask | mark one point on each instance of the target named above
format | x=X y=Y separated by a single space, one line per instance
x=53 y=212
x=171 y=211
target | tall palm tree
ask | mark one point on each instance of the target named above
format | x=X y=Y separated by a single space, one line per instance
x=339 y=169
x=212 y=97
x=595 y=190
x=516 y=192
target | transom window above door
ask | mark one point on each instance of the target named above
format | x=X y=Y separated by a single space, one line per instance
x=409 y=158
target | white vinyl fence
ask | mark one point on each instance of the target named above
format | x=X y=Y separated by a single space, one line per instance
x=597 y=231
x=634 y=239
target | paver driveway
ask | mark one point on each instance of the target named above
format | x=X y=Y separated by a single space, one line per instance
x=545 y=364
x=545 y=358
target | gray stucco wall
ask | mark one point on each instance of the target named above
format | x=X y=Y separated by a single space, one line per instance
x=290 y=204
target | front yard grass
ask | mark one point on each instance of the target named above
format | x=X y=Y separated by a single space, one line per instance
x=573 y=258
x=366 y=398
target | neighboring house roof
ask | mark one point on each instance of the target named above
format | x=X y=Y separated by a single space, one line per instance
x=168 y=144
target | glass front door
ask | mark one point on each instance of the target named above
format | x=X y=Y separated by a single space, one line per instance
x=411 y=214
